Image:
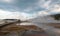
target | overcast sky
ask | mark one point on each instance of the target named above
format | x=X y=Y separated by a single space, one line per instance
x=26 y=9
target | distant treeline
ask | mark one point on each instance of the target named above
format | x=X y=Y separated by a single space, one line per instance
x=56 y=16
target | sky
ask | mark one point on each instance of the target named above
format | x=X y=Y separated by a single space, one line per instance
x=27 y=9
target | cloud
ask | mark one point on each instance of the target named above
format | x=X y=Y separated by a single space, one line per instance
x=55 y=8
x=13 y=15
x=29 y=8
x=43 y=13
x=44 y=4
x=8 y=15
x=51 y=7
x=7 y=1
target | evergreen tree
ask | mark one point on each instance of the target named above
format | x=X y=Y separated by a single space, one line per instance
x=56 y=16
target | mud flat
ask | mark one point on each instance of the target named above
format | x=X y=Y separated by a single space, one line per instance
x=56 y=25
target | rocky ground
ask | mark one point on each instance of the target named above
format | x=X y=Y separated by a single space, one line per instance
x=20 y=30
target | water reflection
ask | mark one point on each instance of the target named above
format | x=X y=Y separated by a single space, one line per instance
x=25 y=23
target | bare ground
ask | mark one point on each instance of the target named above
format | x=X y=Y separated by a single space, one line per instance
x=56 y=25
